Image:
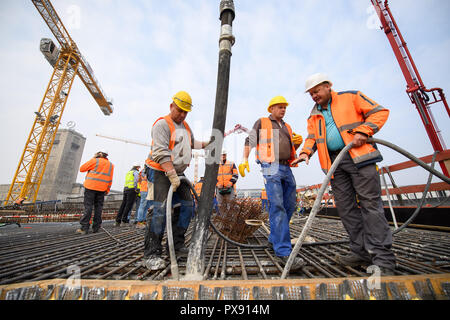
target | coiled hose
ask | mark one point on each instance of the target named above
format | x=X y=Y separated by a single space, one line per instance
x=327 y=179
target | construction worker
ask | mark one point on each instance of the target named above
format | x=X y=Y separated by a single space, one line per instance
x=97 y=184
x=275 y=150
x=227 y=177
x=337 y=119
x=145 y=203
x=199 y=185
x=264 y=201
x=171 y=152
x=130 y=191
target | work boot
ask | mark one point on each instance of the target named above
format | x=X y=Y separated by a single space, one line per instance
x=182 y=251
x=140 y=225
x=352 y=260
x=81 y=231
x=297 y=264
x=154 y=263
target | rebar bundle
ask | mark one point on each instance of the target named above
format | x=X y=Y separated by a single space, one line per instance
x=233 y=214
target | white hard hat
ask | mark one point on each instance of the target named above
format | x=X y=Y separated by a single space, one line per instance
x=316 y=79
x=103 y=151
x=136 y=164
x=224 y=151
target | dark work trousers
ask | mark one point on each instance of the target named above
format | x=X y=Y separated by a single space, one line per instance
x=182 y=205
x=365 y=222
x=129 y=195
x=92 y=200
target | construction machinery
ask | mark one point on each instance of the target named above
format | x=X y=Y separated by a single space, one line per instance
x=67 y=62
x=420 y=96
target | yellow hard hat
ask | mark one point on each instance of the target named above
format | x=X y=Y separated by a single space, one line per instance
x=183 y=100
x=277 y=100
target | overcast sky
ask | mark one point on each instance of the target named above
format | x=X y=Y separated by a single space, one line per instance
x=142 y=52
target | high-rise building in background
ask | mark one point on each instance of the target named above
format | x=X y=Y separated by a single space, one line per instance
x=62 y=167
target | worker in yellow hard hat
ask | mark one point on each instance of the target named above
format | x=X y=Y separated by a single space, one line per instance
x=275 y=150
x=171 y=153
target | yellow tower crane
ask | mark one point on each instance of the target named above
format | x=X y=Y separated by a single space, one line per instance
x=68 y=63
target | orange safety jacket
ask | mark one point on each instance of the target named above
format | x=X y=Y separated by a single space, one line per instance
x=225 y=174
x=265 y=145
x=172 y=140
x=264 y=195
x=198 y=188
x=99 y=175
x=143 y=182
x=352 y=112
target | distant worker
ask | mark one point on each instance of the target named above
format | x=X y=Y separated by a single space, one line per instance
x=276 y=146
x=337 y=119
x=198 y=186
x=130 y=191
x=227 y=177
x=97 y=184
x=264 y=201
x=171 y=153
x=146 y=203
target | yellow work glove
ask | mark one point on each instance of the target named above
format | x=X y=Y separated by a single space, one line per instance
x=174 y=179
x=244 y=165
x=297 y=139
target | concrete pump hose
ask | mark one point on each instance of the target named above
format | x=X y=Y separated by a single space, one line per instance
x=173 y=258
x=326 y=181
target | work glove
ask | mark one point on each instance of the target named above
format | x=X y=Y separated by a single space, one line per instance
x=174 y=179
x=244 y=165
x=297 y=139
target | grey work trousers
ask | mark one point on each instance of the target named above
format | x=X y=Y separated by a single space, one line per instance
x=365 y=223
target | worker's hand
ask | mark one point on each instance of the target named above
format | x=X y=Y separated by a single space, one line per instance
x=301 y=157
x=297 y=139
x=229 y=184
x=244 y=165
x=359 y=139
x=174 y=179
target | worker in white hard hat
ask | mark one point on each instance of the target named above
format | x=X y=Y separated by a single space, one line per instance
x=130 y=192
x=171 y=153
x=227 y=177
x=276 y=145
x=99 y=176
x=337 y=119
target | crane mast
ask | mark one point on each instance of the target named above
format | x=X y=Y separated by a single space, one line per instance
x=419 y=95
x=70 y=62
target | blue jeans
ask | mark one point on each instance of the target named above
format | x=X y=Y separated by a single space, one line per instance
x=143 y=207
x=281 y=193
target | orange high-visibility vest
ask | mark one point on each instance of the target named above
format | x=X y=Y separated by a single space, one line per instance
x=265 y=147
x=198 y=188
x=352 y=112
x=143 y=182
x=264 y=195
x=225 y=174
x=100 y=174
x=169 y=121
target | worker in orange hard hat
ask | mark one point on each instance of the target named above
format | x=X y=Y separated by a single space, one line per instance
x=97 y=184
x=337 y=119
x=276 y=145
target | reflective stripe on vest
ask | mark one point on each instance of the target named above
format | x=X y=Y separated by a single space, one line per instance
x=129 y=179
x=265 y=147
x=225 y=174
x=172 y=140
x=98 y=180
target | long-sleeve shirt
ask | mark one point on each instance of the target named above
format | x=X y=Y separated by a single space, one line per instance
x=182 y=151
